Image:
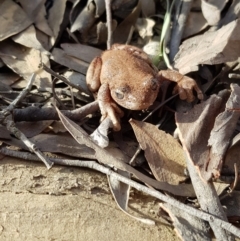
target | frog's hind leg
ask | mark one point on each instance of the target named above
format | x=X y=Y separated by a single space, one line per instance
x=93 y=74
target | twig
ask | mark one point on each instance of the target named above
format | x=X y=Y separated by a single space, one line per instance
x=154 y=193
x=12 y=128
x=234 y=76
x=209 y=202
x=100 y=135
x=159 y=106
x=72 y=36
x=236 y=178
x=32 y=148
x=32 y=113
x=63 y=79
x=72 y=98
x=22 y=94
x=178 y=27
x=234 y=183
x=54 y=93
x=132 y=162
x=109 y=22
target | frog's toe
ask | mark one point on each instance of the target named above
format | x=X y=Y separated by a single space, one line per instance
x=185 y=88
x=112 y=111
x=117 y=109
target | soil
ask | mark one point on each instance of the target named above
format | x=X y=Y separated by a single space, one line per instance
x=69 y=204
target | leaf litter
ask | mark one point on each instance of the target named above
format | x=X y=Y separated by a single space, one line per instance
x=66 y=36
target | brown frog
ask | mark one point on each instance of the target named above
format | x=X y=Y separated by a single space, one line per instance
x=124 y=75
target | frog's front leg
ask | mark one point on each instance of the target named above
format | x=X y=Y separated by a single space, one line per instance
x=185 y=85
x=93 y=74
x=108 y=107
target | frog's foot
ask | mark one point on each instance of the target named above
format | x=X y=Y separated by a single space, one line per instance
x=108 y=107
x=185 y=85
x=111 y=110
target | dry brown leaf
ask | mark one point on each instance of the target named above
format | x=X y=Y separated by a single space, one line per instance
x=82 y=52
x=224 y=127
x=120 y=192
x=232 y=13
x=98 y=33
x=63 y=144
x=25 y=61
x=57 y=127
x=164 y=154
x=28 y=38
x=56 y=14
x=232 y=156
x=78 y=79
x=59 y=56
x=82 y=17
x=220 y=187
x=4 y=133
x=195 y=127
x=121 y=33
x=195 y=23
x=148 y=7
x=232 y=204
x=31 y=129
x=210 y=48
x=1 y=64
x=187 y=227
x=44 y=39
x=100 y=7
x=13 y=19
x=37 y=13
x=212 y=10
x=9 y=78
x=106 y=158
x=4 y=87
x=20 y=84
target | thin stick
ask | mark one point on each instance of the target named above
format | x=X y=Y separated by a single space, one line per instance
x=109 y=22
x=33 y=113
x=154 y=193
x=22 y=94
x=60 y=77
x=13 y=129
x=236 y=177
x=159 y=106
x=132 y=161
x=31 y=146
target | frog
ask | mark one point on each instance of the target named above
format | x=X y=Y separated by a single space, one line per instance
x=125 y=76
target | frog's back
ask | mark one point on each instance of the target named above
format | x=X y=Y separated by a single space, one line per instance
x=121 y=65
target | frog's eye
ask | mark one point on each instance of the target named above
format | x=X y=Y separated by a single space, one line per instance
x=120 y=92
x=154 y=84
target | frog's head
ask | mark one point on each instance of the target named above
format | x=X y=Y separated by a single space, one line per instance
x=138 y=97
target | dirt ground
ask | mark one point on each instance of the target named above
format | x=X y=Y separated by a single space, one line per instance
x=69 y=204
